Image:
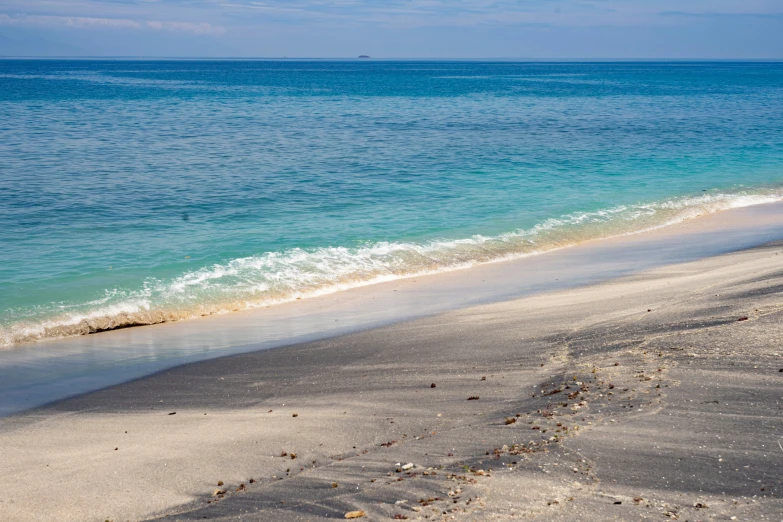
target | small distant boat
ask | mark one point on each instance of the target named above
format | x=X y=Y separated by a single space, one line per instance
x=364 y=56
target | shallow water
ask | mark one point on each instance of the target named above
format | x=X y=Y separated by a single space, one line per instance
x=34 y=374
x=142 y=192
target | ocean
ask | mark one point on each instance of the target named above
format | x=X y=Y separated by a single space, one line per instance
x=142 y=192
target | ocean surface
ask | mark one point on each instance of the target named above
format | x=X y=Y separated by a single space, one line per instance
x=140 y=192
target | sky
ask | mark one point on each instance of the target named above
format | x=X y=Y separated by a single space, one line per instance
x=521 y=29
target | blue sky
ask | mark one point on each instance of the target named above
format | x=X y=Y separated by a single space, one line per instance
x=395 y=28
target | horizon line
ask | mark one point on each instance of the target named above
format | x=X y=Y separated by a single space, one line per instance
x=370 y=58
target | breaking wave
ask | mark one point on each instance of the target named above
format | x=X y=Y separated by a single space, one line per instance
x=276 y=277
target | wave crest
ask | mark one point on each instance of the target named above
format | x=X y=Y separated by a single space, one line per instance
x=276 y=277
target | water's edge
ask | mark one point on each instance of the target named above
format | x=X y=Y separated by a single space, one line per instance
x=274 y=278
x=50 y=371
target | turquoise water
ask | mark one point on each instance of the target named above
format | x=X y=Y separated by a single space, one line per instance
x=138 y=192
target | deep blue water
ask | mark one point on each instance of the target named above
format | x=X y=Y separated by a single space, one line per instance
x=136 y=192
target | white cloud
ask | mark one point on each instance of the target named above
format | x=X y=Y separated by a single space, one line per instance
x=69 y=21
x=167 y=15
x=112 y=23
x=411 y=13
x=203 y=28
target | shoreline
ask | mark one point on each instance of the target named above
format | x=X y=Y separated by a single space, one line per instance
x=49 y=371
x=438 y=256
x=650 y=394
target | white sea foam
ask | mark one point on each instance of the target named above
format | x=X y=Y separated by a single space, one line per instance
x=276 y=277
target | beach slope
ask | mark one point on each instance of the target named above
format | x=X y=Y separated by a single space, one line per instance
x=648 y=397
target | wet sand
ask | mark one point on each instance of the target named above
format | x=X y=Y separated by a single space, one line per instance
x=35 y=374
x=652 y=396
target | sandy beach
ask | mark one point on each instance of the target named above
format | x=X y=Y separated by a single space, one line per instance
x=651 y=396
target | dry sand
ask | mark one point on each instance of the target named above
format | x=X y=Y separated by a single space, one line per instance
x=650 y=397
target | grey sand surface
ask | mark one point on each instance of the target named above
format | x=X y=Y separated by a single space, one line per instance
x=657 y=396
